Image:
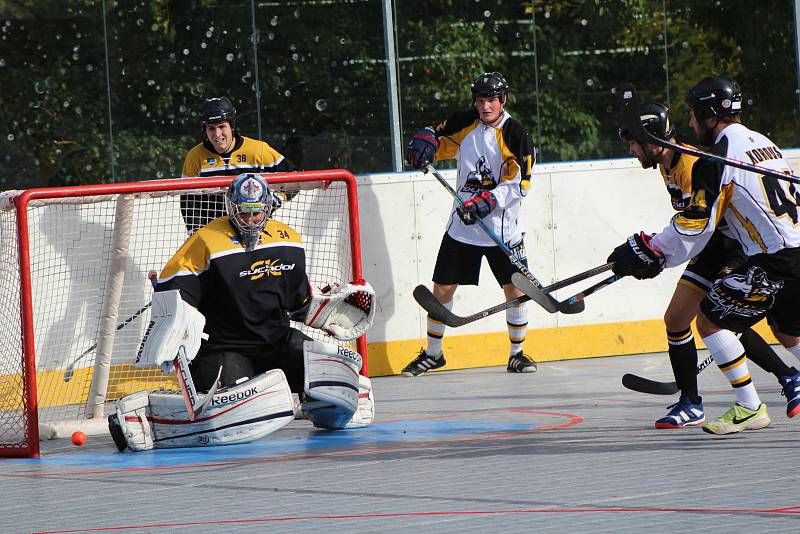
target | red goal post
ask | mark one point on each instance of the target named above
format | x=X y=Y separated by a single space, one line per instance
x=74 y=290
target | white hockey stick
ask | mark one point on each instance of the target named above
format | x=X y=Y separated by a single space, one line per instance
x=194 y=406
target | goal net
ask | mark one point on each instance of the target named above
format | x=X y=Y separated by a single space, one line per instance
x=75 y=292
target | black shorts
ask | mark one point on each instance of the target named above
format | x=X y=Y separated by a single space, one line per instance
x=236 y=362
x=460 y=263
x=765 y=285
x=720 y=257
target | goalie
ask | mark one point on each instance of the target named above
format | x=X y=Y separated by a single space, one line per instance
x=221 y=318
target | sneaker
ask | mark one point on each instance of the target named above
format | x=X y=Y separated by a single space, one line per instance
x=791 y=390
x=739 y=418
x=521 y=363
x=683 y=414
x=424 y=363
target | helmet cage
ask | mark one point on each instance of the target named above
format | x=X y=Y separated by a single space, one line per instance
x=248 y=194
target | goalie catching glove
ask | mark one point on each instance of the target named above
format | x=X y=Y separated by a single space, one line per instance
x=345 y=312
x=636 y=258
x=173 y=324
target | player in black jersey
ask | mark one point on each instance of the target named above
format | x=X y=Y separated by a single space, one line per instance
x=720 y=256
x=224 y=302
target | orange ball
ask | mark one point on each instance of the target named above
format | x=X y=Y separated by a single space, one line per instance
x=78 y=438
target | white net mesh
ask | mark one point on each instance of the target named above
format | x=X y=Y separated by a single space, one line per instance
x=72 y=251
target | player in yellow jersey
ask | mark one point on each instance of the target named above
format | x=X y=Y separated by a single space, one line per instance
x=225 y=301
x=223 y=151
x=719 y=257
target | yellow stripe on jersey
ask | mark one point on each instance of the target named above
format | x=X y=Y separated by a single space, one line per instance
x=752 y=231
x=219 y=238
x=679 y=180
x=251 y=156
x=510 y=167
x=451 y=142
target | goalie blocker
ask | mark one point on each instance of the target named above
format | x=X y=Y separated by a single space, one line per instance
x=335 y=397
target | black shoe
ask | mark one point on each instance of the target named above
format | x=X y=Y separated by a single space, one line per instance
x=116 y=432
x=521 y=363
x=423 y=363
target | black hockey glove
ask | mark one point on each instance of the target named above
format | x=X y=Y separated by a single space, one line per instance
x=477 y=207
x=422 y=148
x=635 y=258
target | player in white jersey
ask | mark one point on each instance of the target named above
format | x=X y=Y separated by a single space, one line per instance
x=720 y=256
x=761 y=213
x=494 y=156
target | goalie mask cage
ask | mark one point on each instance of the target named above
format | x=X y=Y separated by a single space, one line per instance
x=75 y=294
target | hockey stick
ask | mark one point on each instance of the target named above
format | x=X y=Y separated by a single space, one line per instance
x=645 y=385
x=524 y=284
x=70 y=370
x=542 y=299
x=633 y=123
x=437 y=311
x=194 y=406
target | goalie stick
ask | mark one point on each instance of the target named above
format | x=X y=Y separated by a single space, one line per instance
x=633 y=123
x=542 y=299
x=194 y=406
x=645 y=385
x=437 y=311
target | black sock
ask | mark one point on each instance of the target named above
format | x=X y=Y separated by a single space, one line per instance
x=683 y=357
x=761 y=353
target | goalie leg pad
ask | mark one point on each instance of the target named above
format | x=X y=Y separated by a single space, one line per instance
x=132 y=423
x=365 y=413
x=243 y=413
x=331 y=383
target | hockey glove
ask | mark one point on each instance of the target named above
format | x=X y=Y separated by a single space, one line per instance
x=477 y=207
x=636 y=258
x=422 y=148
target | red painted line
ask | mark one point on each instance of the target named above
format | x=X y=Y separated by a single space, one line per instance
x=434 y=513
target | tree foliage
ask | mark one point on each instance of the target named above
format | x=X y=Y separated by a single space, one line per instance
x=92 y=95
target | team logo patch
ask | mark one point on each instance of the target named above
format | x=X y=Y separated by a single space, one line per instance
x=211 y=161
x=745 y=295
x=480 y=179
x=262 y=268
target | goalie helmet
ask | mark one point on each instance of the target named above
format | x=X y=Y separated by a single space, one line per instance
x=715 y=97
x=490 y=84
x=217 y=110
x=249 y=204
x=655 y=119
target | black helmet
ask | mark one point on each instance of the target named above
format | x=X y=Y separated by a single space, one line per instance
x=655 y=119
x=715 y=97
x=489 y=84
x=216 y=110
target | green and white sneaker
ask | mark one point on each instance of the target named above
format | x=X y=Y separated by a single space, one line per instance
x=739 y=418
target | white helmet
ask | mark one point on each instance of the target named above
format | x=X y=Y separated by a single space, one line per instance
x=248 y=193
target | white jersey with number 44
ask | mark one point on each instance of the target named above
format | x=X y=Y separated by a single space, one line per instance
x=761 y=211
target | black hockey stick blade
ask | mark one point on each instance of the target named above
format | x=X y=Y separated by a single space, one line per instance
x=538 y=295
x=645 y=385
x=631 y=121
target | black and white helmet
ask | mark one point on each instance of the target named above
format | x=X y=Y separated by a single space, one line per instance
x=489 y=84
x=715 y=97
x=249 y=193
x=655 y=119
x=217 y=110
